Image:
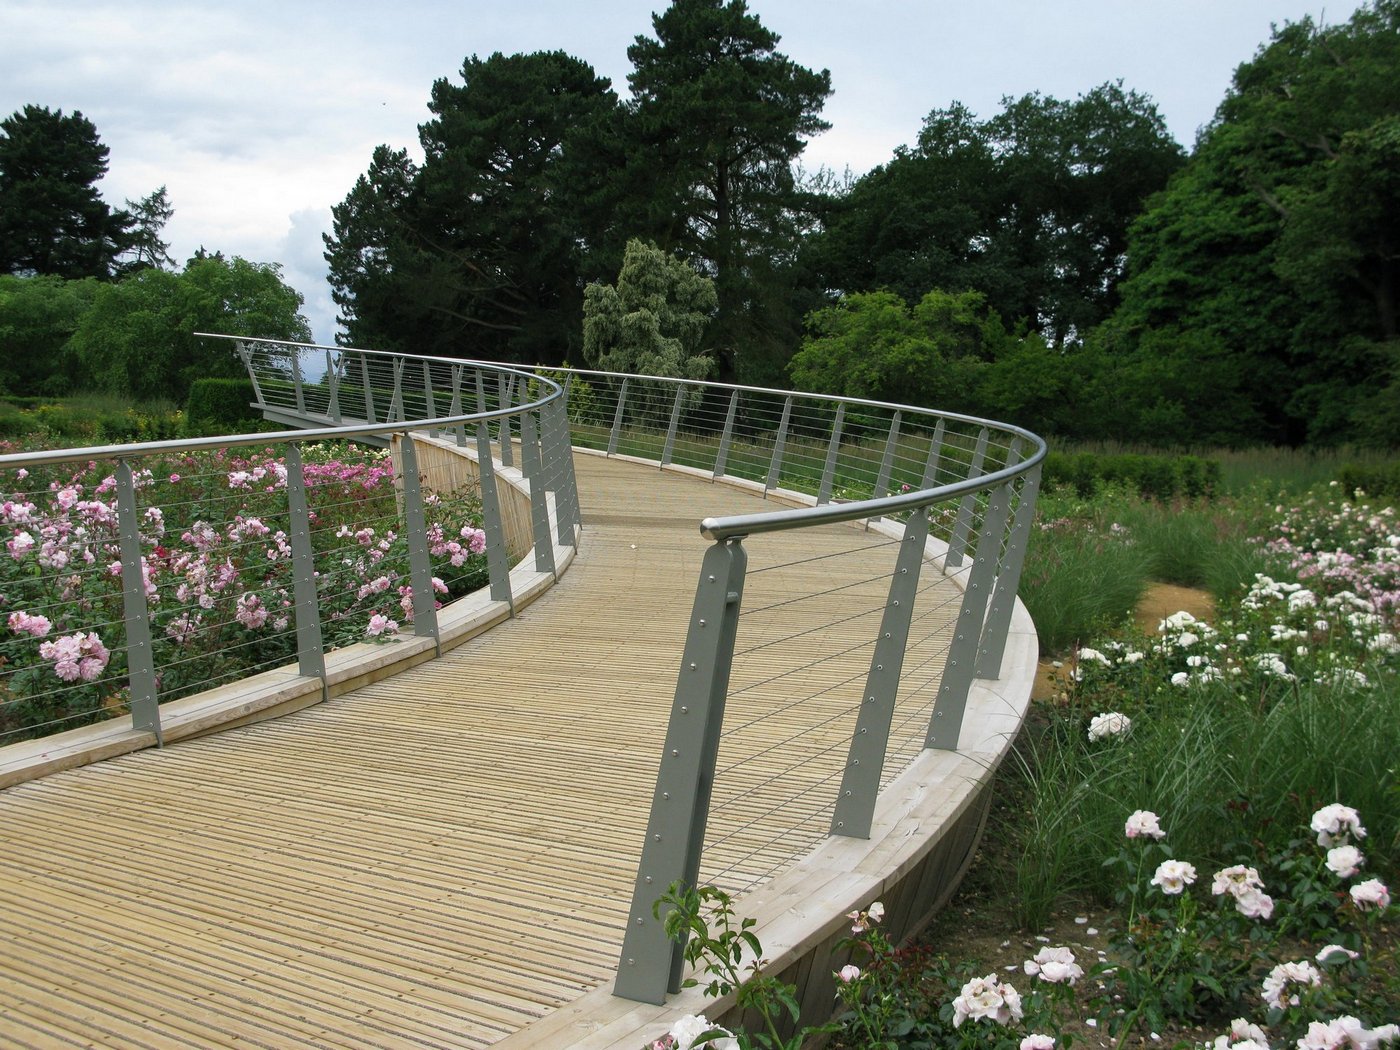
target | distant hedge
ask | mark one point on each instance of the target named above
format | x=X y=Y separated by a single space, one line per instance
x=221 y=406
x=1383 y=480
x=1155 y=476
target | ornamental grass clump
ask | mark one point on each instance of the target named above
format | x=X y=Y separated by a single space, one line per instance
x=216 y=572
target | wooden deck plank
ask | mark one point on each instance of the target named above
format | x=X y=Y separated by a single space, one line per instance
x=439 y=858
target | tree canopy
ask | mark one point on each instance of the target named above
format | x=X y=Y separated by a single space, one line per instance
x=52 y=219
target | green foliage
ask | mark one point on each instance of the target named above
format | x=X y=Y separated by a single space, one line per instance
x=650 y=323
x=871 y=345
x=38 y=315
x=1160 y=476
x=221 y=406
x=717 y=119
x=137 y=338
x=1274 y=247
x=145 y=247
x=482 y=251
x=88 y=419
x=1030 y=207
x=52 y=220
x=1379 y=480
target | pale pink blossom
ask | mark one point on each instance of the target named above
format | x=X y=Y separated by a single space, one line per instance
x=1143 y=824
x=1036 y=1041
x=1345 y=861
x=380 y=625
x=1235 y=880
x=251 y=613
x=986 y=998
x=1173 y=876
x=848 y=973
x=1242 y=1031
x=691 y=1027
x=1334 y=823
x=1254 y=904
x=76 y=656
x=25 y=623
x=1370 y=894
x=1111 y=723
x=1054 y=965
x=1336 y=949
x=1277 y=984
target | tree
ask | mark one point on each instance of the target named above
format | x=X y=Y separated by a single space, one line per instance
x=1030 y=207
x=148 y=218
x=52 y=220
x=1278 y=241
x=484 y=250
x=137 y=338
x=872 y=345
x=38 y=315
x=717 y=119
x=651 y=323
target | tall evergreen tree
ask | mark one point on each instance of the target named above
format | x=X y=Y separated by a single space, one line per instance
x=718 y=119
x=145 y=248
x=52 y=220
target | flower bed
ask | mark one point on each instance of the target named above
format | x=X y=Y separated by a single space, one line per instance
x=217 y=572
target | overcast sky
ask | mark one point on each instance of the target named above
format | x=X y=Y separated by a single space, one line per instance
x=258 y=116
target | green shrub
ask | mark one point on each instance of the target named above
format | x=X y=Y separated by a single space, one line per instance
x=221 y=406
x=1380 y=480
x=1157 y=476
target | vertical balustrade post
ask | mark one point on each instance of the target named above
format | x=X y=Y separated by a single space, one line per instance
x=680 y=805
x=396 y=413
x=775 y=465
x=860 y=782
x=957 y=544
x=311 y=654
x=561 y=454
x=505 y=385
x=674 y=425
x=420 y=566
x=136 y=613
x=369 y=388
x=993 y=645
x=722 y=456
x=833 y=447
x=455 y=408
x=539 y=499
x=333 y=367
x=431 y=401
x=882 y=479
x=246 y=354
x=946 y=723
x=616 y=434
x=297 y=387
x=497 y=557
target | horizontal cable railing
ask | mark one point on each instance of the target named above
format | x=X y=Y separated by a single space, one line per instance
x=141 y=573
x=840 y=675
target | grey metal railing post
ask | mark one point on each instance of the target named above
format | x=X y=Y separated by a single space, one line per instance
x=993 y=645
x=539 y=500
x=369 y=389
x=958 y=672
x=775 y=465
x=505 y=386
x=311 y=654
x=616 y=434
x=722 y=456
x=832 y=448
x=650 y=963
x=455 y=408
x=860 y=782
x=296 y=382
x=420 y=566
x=396 y=412
x=882 y=479
x=247 y=355
x=136 y=613
x=431 y=402
x=497 y=557
x=957 y=545
x=674 y=425
x=333 y=386
x=560 y=452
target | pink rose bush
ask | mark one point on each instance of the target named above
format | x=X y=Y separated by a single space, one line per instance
x=216 y=572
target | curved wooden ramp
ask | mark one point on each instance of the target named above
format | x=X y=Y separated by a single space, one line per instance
x=443 y=857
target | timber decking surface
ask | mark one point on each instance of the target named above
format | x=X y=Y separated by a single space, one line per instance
x=442 y=857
